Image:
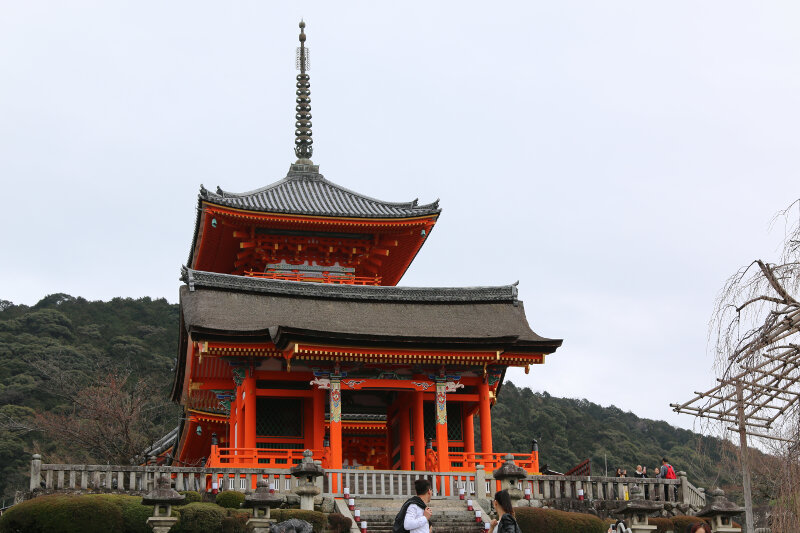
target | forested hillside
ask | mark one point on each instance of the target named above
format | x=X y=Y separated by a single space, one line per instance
x=63 y=340
x=570 y=430
x=82 y=338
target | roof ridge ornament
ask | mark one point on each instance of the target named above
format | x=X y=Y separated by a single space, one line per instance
x=303 y=141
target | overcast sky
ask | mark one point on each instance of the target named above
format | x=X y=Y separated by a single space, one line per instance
x=619 y=159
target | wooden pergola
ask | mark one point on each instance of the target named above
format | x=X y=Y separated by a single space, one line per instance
x=758 y=391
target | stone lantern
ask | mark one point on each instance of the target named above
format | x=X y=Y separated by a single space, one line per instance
x=306 y=472
x=721 y=512
x=162 y=498
x=510 y=475
x=261 y=501
x=636 y=510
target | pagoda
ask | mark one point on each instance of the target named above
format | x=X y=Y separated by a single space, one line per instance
x=294 y=334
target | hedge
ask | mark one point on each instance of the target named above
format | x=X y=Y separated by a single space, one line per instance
x=663 y=525
x=680 y=522
x=192 y=496
x=62 y=513
x=339 y=523
x=553 y=521
x=230 y=499
x=134 y=514
x=315 y=518
x=210 y=518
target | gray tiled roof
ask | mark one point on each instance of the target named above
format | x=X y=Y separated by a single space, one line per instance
x=290 y=311
x=305 y=191
x=198 y=278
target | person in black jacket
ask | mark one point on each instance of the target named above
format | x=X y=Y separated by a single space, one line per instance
x=506 y=523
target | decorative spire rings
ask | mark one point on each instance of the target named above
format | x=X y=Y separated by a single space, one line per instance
x=303 y=140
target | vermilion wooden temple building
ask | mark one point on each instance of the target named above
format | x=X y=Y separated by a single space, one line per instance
x=295 y=335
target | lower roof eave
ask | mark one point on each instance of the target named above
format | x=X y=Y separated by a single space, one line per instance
x=284 y=338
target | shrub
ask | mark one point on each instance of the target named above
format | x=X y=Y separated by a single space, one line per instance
x=192 y=496
x=235 y=522
x=230 y=499
x=339 y=523
x=552 y=521
x=662 y=525
x=315 y=518
x=134 y=514
x=210 y=518
x=680 y=522
x=60 y=513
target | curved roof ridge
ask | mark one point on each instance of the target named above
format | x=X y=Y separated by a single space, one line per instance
x=228 y=194
x=310 y=193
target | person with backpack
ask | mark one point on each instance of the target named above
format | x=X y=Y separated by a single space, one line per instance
x=667 y=472
x=505 y=523
x=415 y=515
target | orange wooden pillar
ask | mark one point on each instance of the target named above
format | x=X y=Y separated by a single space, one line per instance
x=318 y=418
x=405 y=433
x=442 y=445
x=249 y=418
x=419 y=430
x=336 y=424
x=468 y=431
x=233 y=419
x=486 y=417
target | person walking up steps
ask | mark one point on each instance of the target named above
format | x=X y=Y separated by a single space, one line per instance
x=415 y=515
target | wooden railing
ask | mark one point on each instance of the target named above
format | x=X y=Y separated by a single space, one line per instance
x=490 y=461
x=249 y=457
x=318 y=277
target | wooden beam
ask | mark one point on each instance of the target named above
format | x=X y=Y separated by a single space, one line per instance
x=748 y=495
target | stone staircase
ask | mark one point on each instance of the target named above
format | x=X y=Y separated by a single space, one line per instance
x=449 y=516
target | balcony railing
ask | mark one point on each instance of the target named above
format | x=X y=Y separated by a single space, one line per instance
x=255 y=457
x=340 y=278
x=465 y=461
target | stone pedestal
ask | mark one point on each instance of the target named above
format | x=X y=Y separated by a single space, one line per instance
x=161 y=524
x=307 y=492
x=259 y=525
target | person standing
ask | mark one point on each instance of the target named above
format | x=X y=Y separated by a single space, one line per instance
x=641 y=472
x=415 y=513
x=506 y=523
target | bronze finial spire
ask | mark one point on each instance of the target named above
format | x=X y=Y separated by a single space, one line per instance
x=303 y=140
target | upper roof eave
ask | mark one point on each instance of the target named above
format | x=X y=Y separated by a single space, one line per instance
x=304 y=191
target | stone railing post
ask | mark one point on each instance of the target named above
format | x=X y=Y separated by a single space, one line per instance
x=480 y=481
x=36 y=471
x=683 y=489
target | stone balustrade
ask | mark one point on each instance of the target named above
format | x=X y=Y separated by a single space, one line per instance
x=540 y=490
